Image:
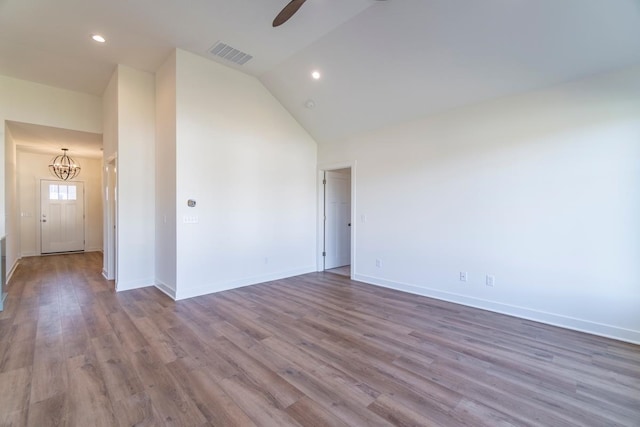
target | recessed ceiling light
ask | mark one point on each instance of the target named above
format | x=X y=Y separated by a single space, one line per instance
x=316 y=75
x=98 y=38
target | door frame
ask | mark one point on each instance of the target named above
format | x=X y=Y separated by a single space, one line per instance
x=110 y=218
x=38 y=185
x=322 y=168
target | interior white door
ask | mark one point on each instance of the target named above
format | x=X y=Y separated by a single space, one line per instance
x=61 y=216
x=337 y=236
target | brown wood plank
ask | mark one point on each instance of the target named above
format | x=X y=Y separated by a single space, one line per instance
x=259 y=405
x=88 y=400
x=15 y=386
x=137 y=410
x=49 y=412
x=49 y=372
x=169 y=399
x=310 y=414
x=217 y=407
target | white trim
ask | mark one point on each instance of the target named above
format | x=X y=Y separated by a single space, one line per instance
x=322 y=167
x=134 y=284
x=581 y=325
x=166 y=289
x=93 y=249
x=109 y=238
x=319 y=222
x=233 y=284
x=11 y=271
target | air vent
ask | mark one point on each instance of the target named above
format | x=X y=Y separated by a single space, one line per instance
x=230 y=53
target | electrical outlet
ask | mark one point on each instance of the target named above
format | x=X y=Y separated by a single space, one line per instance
x=378 y=263
x=490 y=280
x=190 y=219
x=463 y=276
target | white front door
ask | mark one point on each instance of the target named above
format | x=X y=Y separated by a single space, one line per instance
x=61 y=216
x=337 y=205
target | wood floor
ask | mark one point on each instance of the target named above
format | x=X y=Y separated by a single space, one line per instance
x=343 y=271
x=313 y=350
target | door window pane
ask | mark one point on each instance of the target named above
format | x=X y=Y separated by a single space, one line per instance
x=53 y=192
x=62 y=192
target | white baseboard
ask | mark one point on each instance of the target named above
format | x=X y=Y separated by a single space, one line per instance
x=11 y=271
x=134 y=284
x=239 y=283
x=166 y=289
x=93 y=249
x=562 y=321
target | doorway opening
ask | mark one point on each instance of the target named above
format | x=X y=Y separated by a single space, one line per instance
x=337 y=226
x=72 y=208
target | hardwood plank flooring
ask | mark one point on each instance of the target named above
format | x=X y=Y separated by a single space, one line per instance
x=313 y=350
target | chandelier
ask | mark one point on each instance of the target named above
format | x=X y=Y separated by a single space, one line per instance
x=64 y=167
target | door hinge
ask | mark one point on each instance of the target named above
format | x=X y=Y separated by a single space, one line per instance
x=324 y=254
x=324 y=182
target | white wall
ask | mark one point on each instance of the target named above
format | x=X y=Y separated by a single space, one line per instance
x=251 y=168
x=110 y=118
x=541 y=190
x=166 y=176
x=136 y=178
x=44 y=105
x=32 y=167
x=30 y=102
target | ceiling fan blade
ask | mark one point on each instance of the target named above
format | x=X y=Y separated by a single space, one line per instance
x=288 y=12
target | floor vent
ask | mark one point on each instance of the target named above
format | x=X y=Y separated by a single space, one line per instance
x=230 y=53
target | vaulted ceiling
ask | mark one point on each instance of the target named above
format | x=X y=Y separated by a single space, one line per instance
x=381 y=61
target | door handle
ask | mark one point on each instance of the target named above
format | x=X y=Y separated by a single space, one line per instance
x=349 y=224
x=44 y=220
